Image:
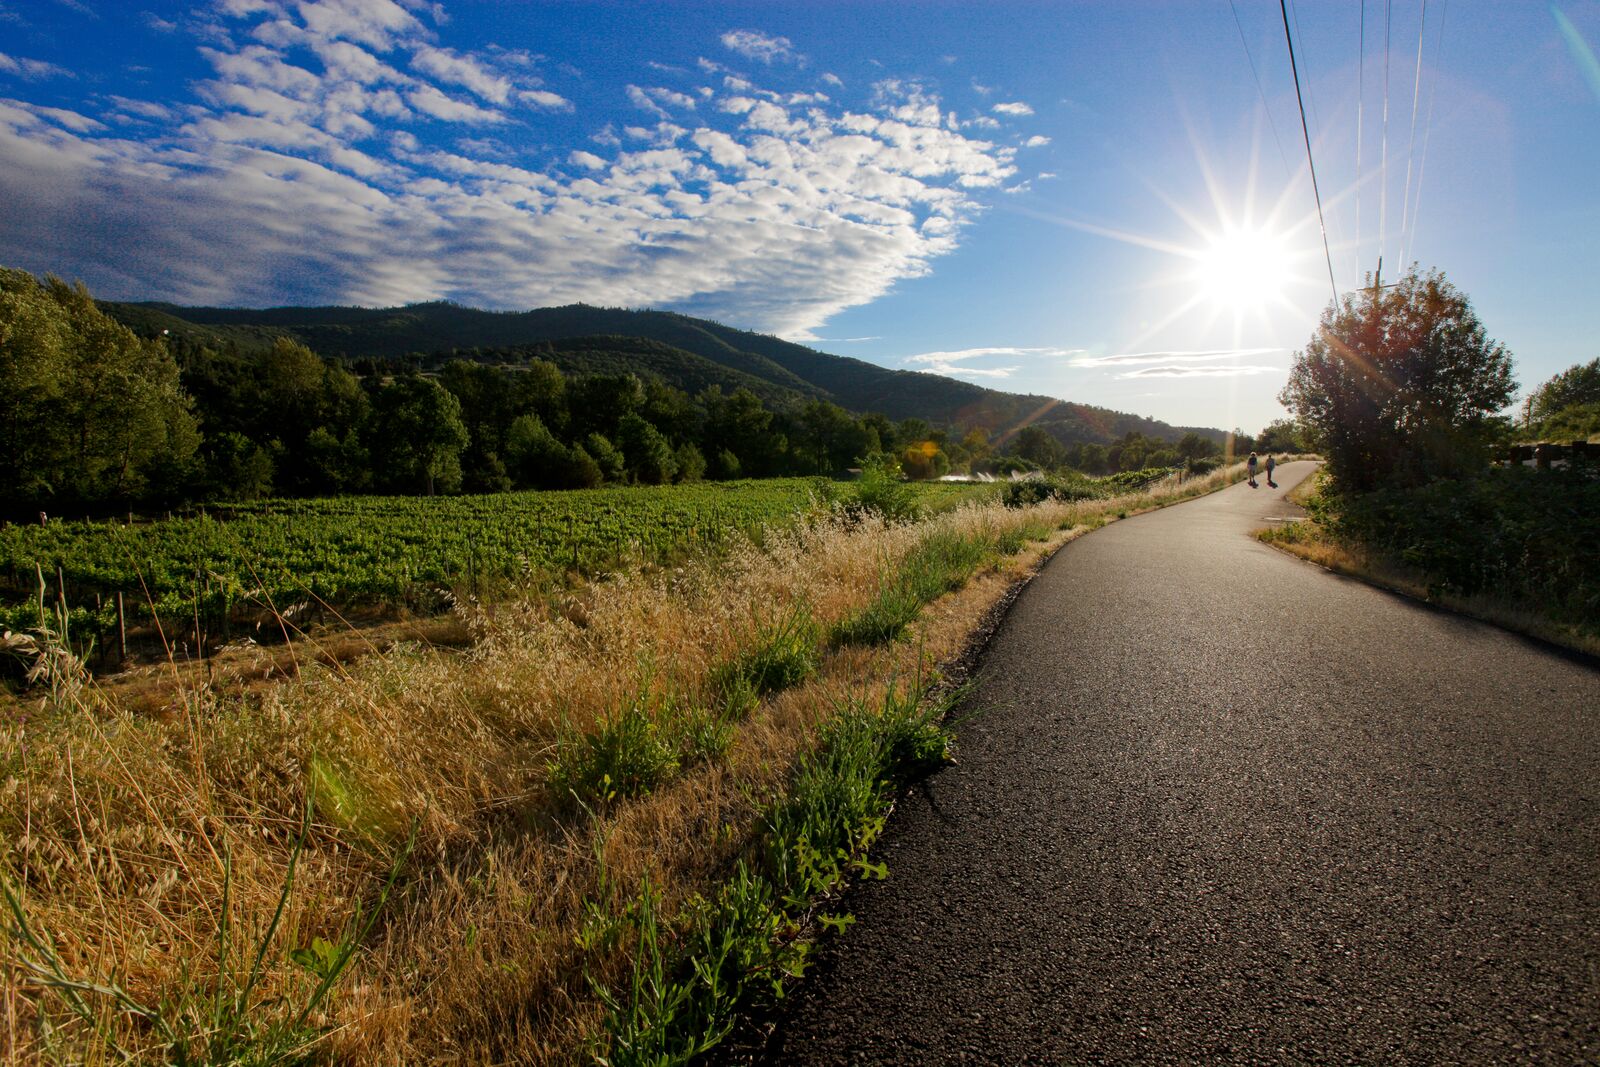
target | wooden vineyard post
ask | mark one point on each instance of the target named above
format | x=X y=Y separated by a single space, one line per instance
x=122 y=630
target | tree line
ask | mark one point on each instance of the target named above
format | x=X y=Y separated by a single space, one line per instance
x=94 y=415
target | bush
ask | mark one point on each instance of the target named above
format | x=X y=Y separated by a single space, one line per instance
x=1515 y=532
x=883 y=493
x=1029 y=491
x=1133 y=481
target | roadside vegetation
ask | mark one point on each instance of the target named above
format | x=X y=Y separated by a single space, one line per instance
x=1400 y=391
x=604 y=829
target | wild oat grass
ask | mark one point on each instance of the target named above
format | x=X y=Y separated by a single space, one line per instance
x=126 y=832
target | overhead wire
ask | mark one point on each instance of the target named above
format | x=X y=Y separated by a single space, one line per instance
x=1310 y=159
x=1361 y=99
x=1283 y=155
x=1427 y=123
x=1383 y=166
x=1411 y=147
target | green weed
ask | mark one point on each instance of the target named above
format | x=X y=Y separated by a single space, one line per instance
x=940 y=563
x=689 y=978
x=783 y=655
x=626 y=757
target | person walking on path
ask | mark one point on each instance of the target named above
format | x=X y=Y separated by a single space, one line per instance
x=1271 y=463
x=1251 y=465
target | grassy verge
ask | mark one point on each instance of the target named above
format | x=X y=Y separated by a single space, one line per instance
x=1327 y=545
x=596 y=830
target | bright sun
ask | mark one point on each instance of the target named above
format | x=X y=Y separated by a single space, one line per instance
x=1243 y=270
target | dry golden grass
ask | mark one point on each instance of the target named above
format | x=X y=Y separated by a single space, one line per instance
x=118 y=823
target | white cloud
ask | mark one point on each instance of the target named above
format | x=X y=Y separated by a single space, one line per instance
x=1237 y=371
x=1015 y=108
x=953 y=363
x=31 y=69
x=464 y=71
x=657 y=101
x=1204 y=355
x=285 y=180
x=1038 y=140
x=431 y=101
x=753 y=44
x=545 y=99
x=143 y=109
x=834 y=80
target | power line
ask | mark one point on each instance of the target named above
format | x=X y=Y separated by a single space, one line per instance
x=1361 y=100
x=1427 y=123
x=1411 y=147
x=1383 y=166
x=1260 y=91
x=1310 y=160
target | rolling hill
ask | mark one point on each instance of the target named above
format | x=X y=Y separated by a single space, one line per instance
x=687 y=352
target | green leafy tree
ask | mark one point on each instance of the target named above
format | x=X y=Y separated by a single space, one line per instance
x=1038 y=447
x=1192 y=446
x=649 y=454
x=418 y=437
x=607 y=456
x=1566 y=406
x=1284 y=435
x=691 y=463
x=88 y=410
x=924 y=462
x=740 y=424
x=1400 y=385
x=240 y=468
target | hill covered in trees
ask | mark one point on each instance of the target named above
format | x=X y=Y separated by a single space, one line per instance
x=683 y=352
x=105 y=406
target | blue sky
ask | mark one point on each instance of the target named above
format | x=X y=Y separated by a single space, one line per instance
x=1100 y=202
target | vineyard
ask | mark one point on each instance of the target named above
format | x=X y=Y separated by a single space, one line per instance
x=208 y=570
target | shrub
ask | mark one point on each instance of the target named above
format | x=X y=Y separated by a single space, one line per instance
x=1029 y=491
x=883 y=493
x=1514 y=532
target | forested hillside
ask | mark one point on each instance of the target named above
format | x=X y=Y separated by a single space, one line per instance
x=157 y=409
x=428 y=334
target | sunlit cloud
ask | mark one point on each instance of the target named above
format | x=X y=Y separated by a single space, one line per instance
x=296 y=173
x=753 y=44
x=1231 y=371
x=1014 y=108
x=1127 y=359
x=954 y=363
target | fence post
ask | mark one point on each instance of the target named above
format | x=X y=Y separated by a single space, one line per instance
x=122 y=630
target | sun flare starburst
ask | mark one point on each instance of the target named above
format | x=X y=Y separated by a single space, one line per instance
x=1244 y=269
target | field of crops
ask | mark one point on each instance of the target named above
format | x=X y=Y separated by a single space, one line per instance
x=348 y=551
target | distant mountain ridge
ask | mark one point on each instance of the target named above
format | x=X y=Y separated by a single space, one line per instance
x=683 y=351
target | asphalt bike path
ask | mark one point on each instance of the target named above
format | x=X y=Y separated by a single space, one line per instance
x=1216 y=804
